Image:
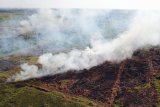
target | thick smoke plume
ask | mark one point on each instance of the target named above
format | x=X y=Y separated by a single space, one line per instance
x=58 y=30
x=143 y=31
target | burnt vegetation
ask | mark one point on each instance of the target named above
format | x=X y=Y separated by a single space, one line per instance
x=134 y=82
x=129 y=83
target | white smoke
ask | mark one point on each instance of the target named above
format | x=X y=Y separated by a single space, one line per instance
x=30 y=71
x=143 y=31
x=56 y=30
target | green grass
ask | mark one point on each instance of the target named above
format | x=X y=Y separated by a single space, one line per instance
x=139 y=88
x=11 y=96
x=157 y=86
x=8 y=15
x=26 y=59
x=84 y=101
x=4 y=16
x=6 y=74
x=118 y=103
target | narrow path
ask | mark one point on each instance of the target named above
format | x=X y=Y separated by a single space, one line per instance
x=151 y=70
x=116 y=85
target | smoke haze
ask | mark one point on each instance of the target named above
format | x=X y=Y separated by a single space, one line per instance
x=97 y=45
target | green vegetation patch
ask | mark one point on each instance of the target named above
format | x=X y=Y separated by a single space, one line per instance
x=157 y=86
x=118 y=103
x=139 y=88
x=6 y=74
x=24 y=59
x=12 y=96
x=8 y=15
